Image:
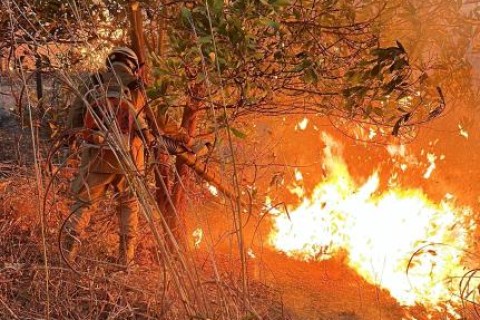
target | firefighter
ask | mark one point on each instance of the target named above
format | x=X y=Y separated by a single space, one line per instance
x=100 y=167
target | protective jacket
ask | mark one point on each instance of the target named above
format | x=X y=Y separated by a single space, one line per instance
x=117 y=82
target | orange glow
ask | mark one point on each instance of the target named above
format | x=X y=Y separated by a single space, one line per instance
x=302 y=125
x=462 y=131
x=213 y=190
x=197 y=237
x=431 y=159
x=399 y=239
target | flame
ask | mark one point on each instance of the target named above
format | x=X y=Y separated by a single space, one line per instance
x=399 y=239
x=197 y=237
x=302 y=125
x=462 y=131
x=298 y=175
x=431 y=159
x=212 y=189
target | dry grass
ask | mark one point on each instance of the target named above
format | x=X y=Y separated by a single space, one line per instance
x=97 y=289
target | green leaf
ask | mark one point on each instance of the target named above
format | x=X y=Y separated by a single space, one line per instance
x=152 y=93
x=218 y=6
x=349 y=104
x=273 y=24
x=350 y=74
x=356 y=90
x=158 y=72
x=310 y=76
x=162 y=86
x=258 y=55
x=269 y=23
x=378 y=111
x=237 y=133
x=392 y=85
x=205 y=39
x=186 y=15
x=280 y=3
x=297 y=14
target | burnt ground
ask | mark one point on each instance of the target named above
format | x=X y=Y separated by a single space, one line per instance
x=286 y=288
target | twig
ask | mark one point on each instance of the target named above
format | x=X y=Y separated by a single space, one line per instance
x=8 y=309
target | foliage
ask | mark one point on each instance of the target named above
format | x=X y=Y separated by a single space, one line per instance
x=58 y=21
x=281 y=57
x=59 y=32
x=275 y=57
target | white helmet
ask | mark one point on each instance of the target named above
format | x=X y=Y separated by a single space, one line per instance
x=124 y=55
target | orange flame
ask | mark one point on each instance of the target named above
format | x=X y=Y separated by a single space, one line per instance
x=399 y=240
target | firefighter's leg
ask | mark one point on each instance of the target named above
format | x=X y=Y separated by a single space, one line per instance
x=128 y=210
x=87 y=189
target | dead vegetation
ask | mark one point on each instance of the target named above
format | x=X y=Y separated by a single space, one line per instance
x=96 y=288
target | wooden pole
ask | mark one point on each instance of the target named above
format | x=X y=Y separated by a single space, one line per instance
x=210 y=177
x=138 y=40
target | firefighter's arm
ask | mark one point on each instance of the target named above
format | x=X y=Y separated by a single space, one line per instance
x=144 y=128
x=147 y=122
x=144 y=116
x=173 y=130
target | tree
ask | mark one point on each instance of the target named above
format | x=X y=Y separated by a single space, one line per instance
x=226 y=60
x=60 y=30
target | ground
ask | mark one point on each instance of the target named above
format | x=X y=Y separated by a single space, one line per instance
x=280 y=287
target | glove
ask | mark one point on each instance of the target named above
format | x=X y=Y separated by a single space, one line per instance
x=202 y=148
x=175 y=147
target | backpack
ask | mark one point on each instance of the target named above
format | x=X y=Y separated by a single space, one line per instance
x=110 y=108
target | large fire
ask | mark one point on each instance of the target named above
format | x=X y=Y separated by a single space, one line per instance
x=397 y=239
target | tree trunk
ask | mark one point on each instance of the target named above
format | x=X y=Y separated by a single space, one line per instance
x=176 y=215
x=162 y=181
x=170 y=196
x=136 y=31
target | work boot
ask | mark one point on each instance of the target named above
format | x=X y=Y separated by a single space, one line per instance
x=71 y=246
x=126 y=254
